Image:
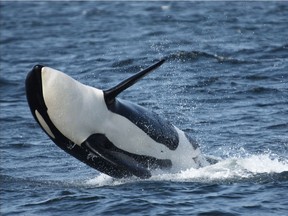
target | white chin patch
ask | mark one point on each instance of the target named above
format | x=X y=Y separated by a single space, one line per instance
x=76 y=110
x=43 y=124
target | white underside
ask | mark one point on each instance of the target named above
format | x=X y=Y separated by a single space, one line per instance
x=79 y=111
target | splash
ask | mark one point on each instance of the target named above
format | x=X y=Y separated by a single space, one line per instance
x=231 y=169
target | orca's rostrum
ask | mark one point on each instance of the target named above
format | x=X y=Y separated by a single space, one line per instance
x=114 y=136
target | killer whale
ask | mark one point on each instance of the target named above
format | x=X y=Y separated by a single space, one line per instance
x=111 y=135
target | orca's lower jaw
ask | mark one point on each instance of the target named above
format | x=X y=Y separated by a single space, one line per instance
x=34 y=94
x=33 y=86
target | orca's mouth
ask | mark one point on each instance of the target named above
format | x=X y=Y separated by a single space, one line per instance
x=34 y=94
x=34 y=90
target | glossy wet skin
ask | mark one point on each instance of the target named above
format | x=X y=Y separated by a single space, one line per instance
x=111 y=135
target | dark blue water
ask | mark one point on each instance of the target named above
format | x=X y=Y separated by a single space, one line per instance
x=225 y=82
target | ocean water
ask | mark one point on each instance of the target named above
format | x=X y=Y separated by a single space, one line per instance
x=225 y=82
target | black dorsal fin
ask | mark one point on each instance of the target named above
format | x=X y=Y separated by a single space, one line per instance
x=110 y=94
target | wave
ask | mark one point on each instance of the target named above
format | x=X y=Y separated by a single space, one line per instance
x=278 y=126
x=262 y=90
x=5 y=82
x=253 y=169
x=197 y=55
x=282 y=49
x=256 y=168
x=256 y=77
x=258 y=90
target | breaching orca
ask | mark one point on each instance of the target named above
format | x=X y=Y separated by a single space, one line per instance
x=114 y=136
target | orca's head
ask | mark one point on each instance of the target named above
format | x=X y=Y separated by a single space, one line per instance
x=64 y=108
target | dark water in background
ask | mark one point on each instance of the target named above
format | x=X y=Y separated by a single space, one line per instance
x=224 y=82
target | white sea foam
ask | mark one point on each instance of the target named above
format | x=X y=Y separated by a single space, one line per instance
x=228 y=169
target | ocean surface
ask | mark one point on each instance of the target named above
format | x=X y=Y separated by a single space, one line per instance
x=225 y=82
